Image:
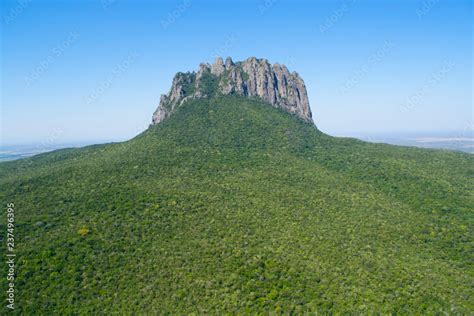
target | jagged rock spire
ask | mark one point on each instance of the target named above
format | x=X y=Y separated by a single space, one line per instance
x=252 y=77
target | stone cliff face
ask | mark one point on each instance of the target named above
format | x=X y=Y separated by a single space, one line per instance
x=252 y=78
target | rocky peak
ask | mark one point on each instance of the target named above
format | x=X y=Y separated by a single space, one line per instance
x=252 y=78
x=218 y=67
x=228 y=62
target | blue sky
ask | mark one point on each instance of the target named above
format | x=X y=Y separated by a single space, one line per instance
x=95 y=70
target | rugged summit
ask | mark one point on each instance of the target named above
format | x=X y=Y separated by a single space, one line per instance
x=252 y=78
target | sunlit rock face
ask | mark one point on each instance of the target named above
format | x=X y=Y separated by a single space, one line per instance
x=252 y=78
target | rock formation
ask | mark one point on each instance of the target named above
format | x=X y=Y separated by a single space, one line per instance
x=252 y=78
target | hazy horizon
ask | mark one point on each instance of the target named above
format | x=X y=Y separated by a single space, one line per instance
x=59 y=141
x=451 y=140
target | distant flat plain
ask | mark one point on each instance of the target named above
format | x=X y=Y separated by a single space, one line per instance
x=460 y=141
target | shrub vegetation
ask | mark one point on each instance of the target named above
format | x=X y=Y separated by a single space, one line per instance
x=233 y=206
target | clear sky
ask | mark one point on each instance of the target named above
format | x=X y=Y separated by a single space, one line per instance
x=95 y=70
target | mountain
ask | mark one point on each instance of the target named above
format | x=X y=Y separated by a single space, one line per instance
x=253 y=78
x=232 y=205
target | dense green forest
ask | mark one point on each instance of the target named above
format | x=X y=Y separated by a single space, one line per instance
x=233 y=206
